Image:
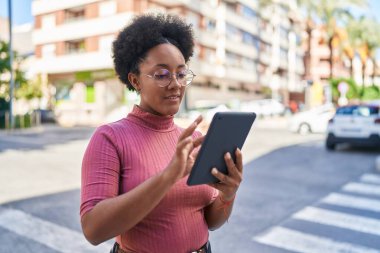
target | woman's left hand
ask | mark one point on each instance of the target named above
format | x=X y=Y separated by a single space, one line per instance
x=229 y=184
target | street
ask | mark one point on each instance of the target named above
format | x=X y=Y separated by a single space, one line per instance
x=295 y=195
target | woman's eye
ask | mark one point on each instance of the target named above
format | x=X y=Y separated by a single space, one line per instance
x=181 y=75
x=161 y=76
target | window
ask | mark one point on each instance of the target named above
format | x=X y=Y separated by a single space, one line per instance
x=249 y=13
x=250 y=39
x=48 y=50
x=283 y=33
x=107 y=8
x=283 y=53
x=248 y=63
x=74 y=14
x=233 y=60
x=233 y=33
x=48 y=21
x=210 y=55
x=75 y=46
x=105 y=43
x=193 y=19
x=210 y=25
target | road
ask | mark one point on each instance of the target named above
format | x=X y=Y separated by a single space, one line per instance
x=295 y=197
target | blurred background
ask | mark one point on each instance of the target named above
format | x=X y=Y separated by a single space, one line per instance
x=272 y=57
x=310 y=69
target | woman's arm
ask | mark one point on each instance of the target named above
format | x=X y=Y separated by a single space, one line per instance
x=114 y=216
x=218 y=212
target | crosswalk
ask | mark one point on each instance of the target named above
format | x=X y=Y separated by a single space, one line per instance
x=354 y=210
x=54 y=236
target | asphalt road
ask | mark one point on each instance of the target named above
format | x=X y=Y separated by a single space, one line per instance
x=295 y=197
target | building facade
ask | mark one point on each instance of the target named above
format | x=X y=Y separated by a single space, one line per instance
x=242 y=51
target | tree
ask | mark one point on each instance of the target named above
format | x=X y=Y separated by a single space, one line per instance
x=329 y=12
x=364 y=36
x=23 y=88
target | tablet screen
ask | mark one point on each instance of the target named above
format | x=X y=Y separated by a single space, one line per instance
x=227 y=131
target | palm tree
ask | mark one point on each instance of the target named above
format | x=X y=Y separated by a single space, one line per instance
x=310 y=8
x=353 y=43
x=371 y=41
x=364 y=36
x=328 y=12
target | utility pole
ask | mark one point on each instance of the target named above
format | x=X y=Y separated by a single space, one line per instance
x=11 y=81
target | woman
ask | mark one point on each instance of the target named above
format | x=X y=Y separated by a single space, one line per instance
x=134 y=170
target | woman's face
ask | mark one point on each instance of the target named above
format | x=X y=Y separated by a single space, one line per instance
x=155 y=99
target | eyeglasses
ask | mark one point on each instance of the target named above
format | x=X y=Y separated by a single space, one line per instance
x=163 y=77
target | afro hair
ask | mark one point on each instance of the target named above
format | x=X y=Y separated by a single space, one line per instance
x=145 y=32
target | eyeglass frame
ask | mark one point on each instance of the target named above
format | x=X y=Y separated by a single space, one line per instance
x=172 y=77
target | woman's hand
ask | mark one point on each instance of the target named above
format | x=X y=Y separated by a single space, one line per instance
x=230 y=183
x=186 y=152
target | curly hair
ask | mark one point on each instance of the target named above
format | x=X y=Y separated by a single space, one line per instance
x=145 y=32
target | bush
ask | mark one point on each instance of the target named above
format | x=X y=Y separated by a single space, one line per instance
x=20 y=121
x=354 y=92
x=371 y=93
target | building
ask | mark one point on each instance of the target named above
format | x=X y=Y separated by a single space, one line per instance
x=241 y=52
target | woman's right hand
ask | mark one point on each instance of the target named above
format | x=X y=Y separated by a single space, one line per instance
x=185 y=155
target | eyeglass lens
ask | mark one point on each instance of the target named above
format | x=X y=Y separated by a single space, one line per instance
x=163 y=77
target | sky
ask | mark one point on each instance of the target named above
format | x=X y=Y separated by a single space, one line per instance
x=22 y=10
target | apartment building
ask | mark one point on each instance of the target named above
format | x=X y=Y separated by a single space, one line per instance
x=241 y=51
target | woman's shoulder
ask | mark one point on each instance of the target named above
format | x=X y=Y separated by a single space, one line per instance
x=113 y=128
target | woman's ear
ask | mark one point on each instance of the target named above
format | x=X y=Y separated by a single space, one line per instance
x=133 y=79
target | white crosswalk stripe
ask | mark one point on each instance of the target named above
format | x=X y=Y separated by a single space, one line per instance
x=362 y=188
x=370 y=178
x=302 y=242
x=339 y=219
x=307 y=242
x=46 y=232
x=352 y=202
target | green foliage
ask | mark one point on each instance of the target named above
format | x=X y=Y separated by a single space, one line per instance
x=355 y=91
x=90 y=94
x=266 y=91
x=4 y=104
x=20 y=121
x=371 y=93
x=19 y=76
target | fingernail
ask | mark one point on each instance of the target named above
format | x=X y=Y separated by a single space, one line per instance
x=228 y=155
x=214 y=171
x=238 y=149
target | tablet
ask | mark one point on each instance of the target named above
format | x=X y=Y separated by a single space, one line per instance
x=227 y=131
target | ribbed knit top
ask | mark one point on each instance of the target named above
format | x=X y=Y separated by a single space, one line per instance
x=122 y=155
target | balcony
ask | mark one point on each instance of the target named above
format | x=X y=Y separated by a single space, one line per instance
x=206 y=38
x=207 y=69
x=74 y=62
x=265 y=58
x=284 y=43
x=48 y=6
x=241 y=75
x=241 y=22
x=241 y=49
x=81 y=29
x=266 y=36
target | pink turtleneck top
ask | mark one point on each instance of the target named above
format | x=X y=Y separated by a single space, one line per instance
x=122 y=155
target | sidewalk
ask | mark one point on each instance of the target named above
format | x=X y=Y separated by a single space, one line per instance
x=40 y=161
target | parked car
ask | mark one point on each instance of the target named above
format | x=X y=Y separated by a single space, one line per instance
x=47 y=116
x=354 y=124
x=314 y=120
x=264 y=107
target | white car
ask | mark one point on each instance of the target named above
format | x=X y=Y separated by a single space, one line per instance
x=355 y=124
x=314 y=120
x=264 y=107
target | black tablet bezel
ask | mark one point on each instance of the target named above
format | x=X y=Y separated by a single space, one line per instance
x=230 y=127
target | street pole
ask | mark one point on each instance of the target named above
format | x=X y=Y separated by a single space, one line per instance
x=11 y=82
